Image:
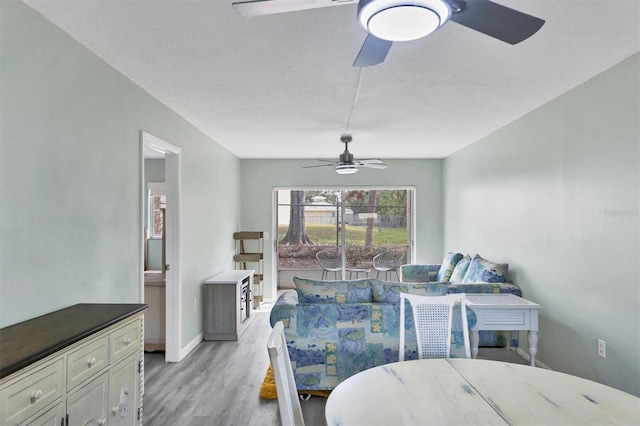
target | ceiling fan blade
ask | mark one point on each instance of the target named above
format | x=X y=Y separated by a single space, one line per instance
x=373 y=164
x=319 y=165
x=497 y=21
x=270 y=7
x=372 y=52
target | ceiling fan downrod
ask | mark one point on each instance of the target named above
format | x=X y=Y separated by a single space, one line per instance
x=346 y=157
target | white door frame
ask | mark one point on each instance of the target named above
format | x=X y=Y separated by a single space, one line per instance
x=173 y=287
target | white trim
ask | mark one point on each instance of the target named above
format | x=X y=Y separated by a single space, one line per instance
x=191 y=346
x=343 y=187
x=173 y=233
x=414 y=221
x=173 y=181
x=274 y=244
x=158 y=144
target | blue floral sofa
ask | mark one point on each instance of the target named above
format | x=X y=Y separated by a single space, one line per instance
x=335 y=329
x=463 y=274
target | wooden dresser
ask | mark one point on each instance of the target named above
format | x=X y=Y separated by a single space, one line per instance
x=79 y=365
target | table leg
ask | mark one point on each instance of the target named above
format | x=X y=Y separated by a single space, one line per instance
x=533 y=346
x=475 y=339
x=513 y=343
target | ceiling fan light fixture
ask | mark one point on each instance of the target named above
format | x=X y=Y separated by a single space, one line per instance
x=346 y=169
x=397 y=20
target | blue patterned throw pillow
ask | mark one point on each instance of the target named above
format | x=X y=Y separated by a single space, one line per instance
x=484 y=271
x=412 y=273
x=461 y=268
x=314 y=291
x=450 y=261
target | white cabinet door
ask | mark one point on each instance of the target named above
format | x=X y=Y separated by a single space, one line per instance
x=124 y=393
x=88 y=405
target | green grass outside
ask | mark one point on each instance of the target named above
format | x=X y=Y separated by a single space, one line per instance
x=355 y=235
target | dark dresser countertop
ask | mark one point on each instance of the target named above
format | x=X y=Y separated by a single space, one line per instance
x=27 y=342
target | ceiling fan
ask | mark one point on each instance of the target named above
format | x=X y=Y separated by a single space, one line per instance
x=387 y=21
x=346 y=164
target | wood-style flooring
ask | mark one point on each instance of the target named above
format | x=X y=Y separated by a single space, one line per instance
x=218 y=383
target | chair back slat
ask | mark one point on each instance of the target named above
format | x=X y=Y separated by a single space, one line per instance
x=288 y=400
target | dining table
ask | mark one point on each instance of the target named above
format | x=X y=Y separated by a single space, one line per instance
x=460 y=391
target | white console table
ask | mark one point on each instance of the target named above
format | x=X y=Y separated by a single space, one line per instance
x=504 y=312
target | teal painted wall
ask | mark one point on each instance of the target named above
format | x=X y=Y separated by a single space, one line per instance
x=70 y=178
x=260 y=177
x=556 y=194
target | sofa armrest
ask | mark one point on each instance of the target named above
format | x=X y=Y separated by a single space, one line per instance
x=495 y=288
x=426 y=273
x=285 y=308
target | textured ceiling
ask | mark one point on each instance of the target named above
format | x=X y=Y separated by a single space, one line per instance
x=283 y=86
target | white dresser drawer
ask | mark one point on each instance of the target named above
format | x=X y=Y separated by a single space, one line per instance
x=50 y=417
x=125 y=341
x=33 y=392
x=87 y=361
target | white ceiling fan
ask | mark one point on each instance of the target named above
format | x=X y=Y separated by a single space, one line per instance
x=346 y=164
x=387 y=21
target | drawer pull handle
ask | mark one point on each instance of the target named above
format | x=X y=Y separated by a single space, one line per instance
x=127 y=341
x=36 y=395
x=91 y=362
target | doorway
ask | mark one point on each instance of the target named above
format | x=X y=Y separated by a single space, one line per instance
x=169 y=213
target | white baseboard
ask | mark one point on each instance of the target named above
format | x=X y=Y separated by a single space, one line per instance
x=190 y=346
x=526 y=356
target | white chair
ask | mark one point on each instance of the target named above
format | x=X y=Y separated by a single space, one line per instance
x=288 y=401
x=387 y=262
x=432 y=318
x=330 y=261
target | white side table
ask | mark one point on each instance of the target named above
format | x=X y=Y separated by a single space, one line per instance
x=358 y=271
x=504 y=312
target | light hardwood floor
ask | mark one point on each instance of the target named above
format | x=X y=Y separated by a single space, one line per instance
x=218 y=383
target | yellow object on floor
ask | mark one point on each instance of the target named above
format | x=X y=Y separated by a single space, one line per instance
x=268 y=388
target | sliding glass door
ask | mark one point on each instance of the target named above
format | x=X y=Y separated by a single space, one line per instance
x=353 y=225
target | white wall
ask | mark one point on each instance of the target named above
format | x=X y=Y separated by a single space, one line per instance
x=556 y=194
x=70 y=179
x=259 y=177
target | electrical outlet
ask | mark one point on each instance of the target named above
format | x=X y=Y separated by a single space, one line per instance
x=195 y=305
x=602 y=348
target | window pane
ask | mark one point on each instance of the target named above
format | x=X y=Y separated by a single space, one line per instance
x=158 y=223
